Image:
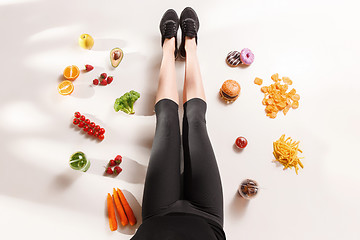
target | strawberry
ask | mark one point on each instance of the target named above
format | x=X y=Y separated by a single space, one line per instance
x=118 y=159
x=109 y=79
x=96 y=81
x=103 y=82
x=88 y=67
x=112 y=163
x=109 y=170
x=103 y=75
x=117 y=170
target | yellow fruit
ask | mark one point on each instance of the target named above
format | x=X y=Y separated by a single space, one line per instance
x=86 y=41
x=71 y=72
x=65 y=87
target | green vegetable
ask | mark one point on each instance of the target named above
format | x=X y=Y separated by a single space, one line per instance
x=126 y=102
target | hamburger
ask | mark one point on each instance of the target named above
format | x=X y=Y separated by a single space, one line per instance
x=230 y=90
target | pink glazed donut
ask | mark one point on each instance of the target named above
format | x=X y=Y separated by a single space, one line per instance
x=246 y=56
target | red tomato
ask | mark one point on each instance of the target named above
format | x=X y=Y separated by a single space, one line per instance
x=241 y=142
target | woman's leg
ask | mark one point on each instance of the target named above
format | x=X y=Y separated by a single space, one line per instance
x=193 y=85
x=202 y=183
x=167 y=87
x=162 y=183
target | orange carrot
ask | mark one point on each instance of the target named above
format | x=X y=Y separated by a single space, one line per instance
x=111 y=212
x=123 y=219
x=129 y=212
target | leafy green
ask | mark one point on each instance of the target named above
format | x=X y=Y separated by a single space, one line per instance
x=126 y=102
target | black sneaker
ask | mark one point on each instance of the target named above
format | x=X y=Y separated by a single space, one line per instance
x=189 y=23
x=169 y=25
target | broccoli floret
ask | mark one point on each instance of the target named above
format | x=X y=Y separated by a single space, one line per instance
x=126 y=102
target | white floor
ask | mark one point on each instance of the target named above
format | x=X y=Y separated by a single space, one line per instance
x=315 y=43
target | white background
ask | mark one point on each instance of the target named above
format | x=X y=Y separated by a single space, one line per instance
x=315 y=43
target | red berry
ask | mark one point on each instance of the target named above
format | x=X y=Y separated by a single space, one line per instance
x=76 y=121
x=117 y=170
x=241 y=142
x=96 y=81
x=88 y=67
x=101 y=137
x=81 y=124
x=102 y=131
x=109 y=170
x=118 y=159
x=91 y=132
x=82 y=118
x=112 y=163
x=77 y=114
x=92 y=124
x=109 y=79
x=103 y=82
x=87 y=121
x=97 y=127
x=103 y=75
x=86 y=128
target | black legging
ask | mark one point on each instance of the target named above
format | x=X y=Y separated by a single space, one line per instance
x=202 y=190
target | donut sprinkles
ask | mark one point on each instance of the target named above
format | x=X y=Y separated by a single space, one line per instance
x=233 y=59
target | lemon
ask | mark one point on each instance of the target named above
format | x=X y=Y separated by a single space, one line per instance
x=86 y=41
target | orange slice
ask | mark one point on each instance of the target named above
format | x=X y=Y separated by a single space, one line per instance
x=65 y=87
x=71 y=72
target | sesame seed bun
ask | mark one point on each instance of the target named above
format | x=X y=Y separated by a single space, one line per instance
x=230 y=90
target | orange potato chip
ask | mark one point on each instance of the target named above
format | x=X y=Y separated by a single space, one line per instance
x=287 y=80
x=275 y=77
x=295 y=105
x=295 y=97
x=286 y=109
x=264 y=89
x=258 y=81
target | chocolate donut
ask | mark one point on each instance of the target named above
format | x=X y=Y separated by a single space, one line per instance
x=233 y=59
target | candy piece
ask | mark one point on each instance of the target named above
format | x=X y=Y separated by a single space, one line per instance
x=246 y=56
x=233 y=59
